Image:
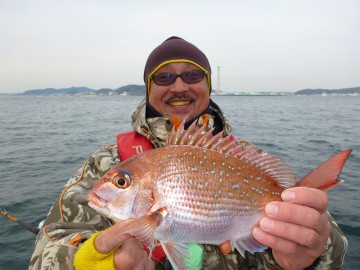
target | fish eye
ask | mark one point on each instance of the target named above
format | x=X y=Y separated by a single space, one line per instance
x=121 y=182
x=122 y=179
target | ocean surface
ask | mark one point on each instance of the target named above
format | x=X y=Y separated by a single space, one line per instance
x=45 y=140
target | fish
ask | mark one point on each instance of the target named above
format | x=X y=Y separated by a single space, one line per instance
x=200 y=188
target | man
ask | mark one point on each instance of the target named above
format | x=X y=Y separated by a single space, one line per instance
x=298 y=231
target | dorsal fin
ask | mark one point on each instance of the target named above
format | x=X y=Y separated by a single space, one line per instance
x=227 y=145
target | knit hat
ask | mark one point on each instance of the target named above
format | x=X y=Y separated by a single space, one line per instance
x=174 y=50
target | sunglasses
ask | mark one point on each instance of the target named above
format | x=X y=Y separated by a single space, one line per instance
x=189 y=77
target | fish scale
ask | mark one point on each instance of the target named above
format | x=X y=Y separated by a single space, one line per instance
x=206 y=189
x=224 y=199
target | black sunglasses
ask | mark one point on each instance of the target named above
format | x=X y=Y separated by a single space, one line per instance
x=189 y=77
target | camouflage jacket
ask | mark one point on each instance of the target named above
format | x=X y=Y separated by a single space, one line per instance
x=71 y=221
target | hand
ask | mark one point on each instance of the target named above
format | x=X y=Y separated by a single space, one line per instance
x=297 y=228
x=131 y=255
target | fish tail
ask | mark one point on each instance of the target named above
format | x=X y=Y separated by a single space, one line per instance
x=326 y=175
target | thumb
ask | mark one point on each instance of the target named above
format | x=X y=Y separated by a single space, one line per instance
x=111 y=238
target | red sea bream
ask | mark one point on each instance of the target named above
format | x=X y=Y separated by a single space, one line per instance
x=201 y=189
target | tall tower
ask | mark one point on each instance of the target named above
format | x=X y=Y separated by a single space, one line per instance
x=218 y=78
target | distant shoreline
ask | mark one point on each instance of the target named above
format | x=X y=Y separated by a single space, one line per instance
x=139 y=90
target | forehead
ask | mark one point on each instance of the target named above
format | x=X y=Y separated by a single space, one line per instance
x=177 y=67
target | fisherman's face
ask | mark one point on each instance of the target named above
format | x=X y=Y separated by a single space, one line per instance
x=179 y=99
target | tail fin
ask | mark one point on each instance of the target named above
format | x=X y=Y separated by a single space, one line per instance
x=325 y=176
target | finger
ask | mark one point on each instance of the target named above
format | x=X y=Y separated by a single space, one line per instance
x=111 y=238
x=273 y=242
x=291 y=232
x=297 y=214
x=310 y=197
x=132 y=255
x=280 y=244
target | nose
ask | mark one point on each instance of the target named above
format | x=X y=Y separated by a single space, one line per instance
x=179 y=85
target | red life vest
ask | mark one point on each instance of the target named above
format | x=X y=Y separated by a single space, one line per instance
x=129 y=144
x=132 y=143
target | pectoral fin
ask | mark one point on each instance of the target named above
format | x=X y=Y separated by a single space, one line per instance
x=142 y=228
x=177 y=254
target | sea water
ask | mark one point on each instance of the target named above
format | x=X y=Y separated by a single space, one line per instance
x=44 y=140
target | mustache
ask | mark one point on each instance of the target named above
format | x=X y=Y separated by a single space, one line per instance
x=180 y=96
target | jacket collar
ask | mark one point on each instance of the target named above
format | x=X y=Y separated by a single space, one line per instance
x=156 y=129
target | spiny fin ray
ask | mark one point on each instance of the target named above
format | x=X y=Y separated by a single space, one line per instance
x=243 y=150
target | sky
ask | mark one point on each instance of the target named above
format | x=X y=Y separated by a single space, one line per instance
x=269 y=45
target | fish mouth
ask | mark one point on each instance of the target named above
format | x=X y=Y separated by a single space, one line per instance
x=97 y=200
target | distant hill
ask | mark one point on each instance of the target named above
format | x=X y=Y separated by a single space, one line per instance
x=131 y=89
x=139 y=90
x=62 y=91
x=342 y=91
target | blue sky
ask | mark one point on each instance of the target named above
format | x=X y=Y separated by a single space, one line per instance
x=258 y=45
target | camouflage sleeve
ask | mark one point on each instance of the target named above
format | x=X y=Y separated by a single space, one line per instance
x=70 y=220
x=332 y=257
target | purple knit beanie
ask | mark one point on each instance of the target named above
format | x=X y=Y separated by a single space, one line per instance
x=173 y=50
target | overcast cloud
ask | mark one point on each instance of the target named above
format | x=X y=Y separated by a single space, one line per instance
x=258 y=45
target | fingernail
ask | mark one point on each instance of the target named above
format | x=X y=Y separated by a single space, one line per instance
x=288 y=195
x=266 y=223
x=271 y=209
x=258 y=233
